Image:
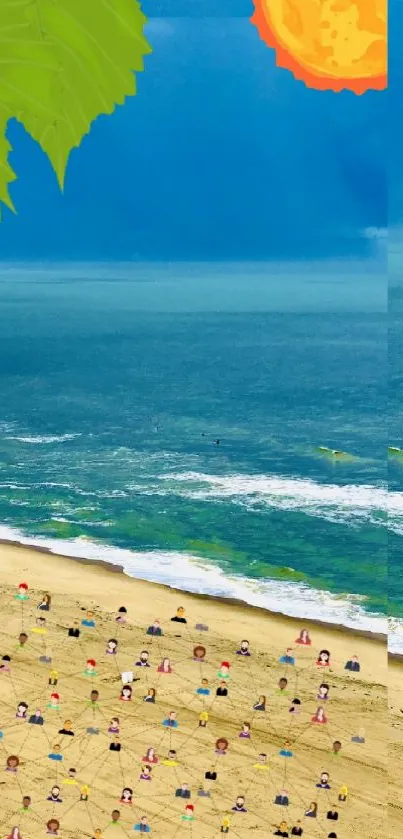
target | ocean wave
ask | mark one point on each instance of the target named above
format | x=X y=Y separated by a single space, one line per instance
x=201 y=577
x=43 y=439
x=334 y=502
x=82 y=522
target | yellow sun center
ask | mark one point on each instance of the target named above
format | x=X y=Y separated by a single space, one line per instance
x=343 y=41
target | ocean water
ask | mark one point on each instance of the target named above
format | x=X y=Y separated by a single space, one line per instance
x=115 y=382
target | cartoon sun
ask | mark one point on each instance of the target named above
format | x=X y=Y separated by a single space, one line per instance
x=328 y=44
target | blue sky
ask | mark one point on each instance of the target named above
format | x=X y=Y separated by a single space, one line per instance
x=219 y=156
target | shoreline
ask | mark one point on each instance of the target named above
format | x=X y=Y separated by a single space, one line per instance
x=379 y=638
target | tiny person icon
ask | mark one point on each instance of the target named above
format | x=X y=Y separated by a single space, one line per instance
x=142 y=826
x=127 y=796
x=45 y=603
x=199 y=653
x=245 y=732
x=203 y=690
x=323 y=692
x=261 y=762
x=287 y=658
x=89 y=621
x=155 y=629
x=180 y=615
x=282 y=687
x=189 y=813
x=171 y=721
x=90 y=667
x=22 y=593
x=243 y=649
x=320 y=716
x=353 y=664
x=165 y=666
x=323 y=659
x=304 y=638
x=53 y=827
x=54 y=702
x=223 y=672
x=239 y=806
x=221 y=746
x=12 y=763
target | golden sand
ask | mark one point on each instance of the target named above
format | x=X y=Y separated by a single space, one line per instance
x=357 y=703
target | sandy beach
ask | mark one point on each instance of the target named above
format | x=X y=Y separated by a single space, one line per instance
x=356 y=708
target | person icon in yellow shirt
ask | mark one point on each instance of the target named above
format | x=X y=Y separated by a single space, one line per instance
x=262 y=762
x=171 y=759
x=71 y=778
x=40 y=626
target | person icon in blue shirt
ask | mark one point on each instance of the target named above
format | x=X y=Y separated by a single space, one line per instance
x=287 y=658
x=204 y=690
x=286 y=750
x=171 y=721
x=55 y=754
x=142 y=826
x=89 y=620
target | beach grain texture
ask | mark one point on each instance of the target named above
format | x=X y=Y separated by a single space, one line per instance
x=358 y=702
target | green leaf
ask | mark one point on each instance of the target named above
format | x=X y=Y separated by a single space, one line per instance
x=65 y=62
x=6 y=173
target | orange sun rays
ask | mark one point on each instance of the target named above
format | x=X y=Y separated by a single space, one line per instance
x=328 y=44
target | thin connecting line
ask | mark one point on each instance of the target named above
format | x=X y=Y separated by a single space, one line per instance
x=141 y=722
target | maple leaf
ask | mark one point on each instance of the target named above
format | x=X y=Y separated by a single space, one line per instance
x=62 y=64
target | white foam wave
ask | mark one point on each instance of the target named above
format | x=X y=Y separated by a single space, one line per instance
x=335 y=502
x=195 y=575
x=43 y=439
x=395 y=635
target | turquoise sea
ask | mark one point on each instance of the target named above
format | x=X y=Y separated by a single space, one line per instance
x=115 y=383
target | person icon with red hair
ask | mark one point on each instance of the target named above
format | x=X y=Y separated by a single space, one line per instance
x=90 y=667
x=22 y=593
x=188 y=815
x=223 y=672
x=54 y=702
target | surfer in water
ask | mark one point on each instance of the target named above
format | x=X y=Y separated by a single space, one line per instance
x=216 y=441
